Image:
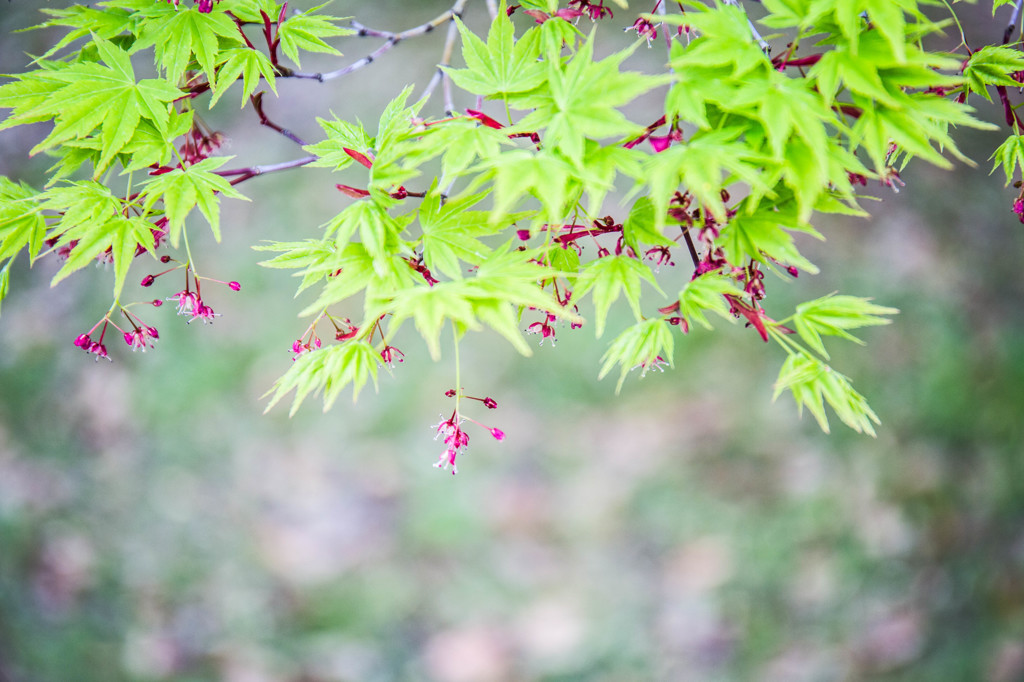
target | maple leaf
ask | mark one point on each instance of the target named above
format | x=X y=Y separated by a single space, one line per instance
x=182 y=189
x=93 y=218
x=181 y=35
x=580 y=100
x=500 y=66
x=451 y=231
x=86 y=98
x=306 y=31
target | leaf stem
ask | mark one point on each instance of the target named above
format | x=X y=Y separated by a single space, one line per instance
x=458 y=375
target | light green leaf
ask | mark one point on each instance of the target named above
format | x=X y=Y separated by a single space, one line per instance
x=813 y=383
x=327 y=371
x=707 y=293
x=646 y=344
x=609 y=277
x=307 y=30
x=182 y=189
x=833 y=315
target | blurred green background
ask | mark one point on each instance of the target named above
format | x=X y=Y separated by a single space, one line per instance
x=155 y=525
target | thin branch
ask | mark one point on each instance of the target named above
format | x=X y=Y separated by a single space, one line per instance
x=257 y=104
x=253 y=171
x=1013 y=22
x=392 y=40
x=492 y=9
x=440 y=75
x=690 y=246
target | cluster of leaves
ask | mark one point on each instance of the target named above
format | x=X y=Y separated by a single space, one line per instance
x=747 y=148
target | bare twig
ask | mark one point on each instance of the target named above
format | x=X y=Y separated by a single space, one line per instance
x=440 y=75
x=1012 y=26
x=257 y=105
x=392 y=40
x=252 y=171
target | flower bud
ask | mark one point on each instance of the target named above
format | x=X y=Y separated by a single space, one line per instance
x=147 y=281
x=234 y=286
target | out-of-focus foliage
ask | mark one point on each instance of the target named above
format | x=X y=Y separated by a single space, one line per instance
x=154 y=525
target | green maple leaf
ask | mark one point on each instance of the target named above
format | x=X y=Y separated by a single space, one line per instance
x=580 y=99
x=87 y=98
x=813 y=383
x=93 y=218
x=451 y=232
x=700 y=164
x=327 y=371
x=639 y=227
x=992 y=65
x=182 y=189
x=513 y=276
x=181 y=35
x=502 y=65
x=105 y=23
x=515 y=173
x=1010 y=155
x=645 y=344
x=341 y=135
x=21 y=221
x=245 y=63
x=316 y=258
x=609 y=277
x=430 y=307
x=707 y=293
x=833 y=315
x=306 y=31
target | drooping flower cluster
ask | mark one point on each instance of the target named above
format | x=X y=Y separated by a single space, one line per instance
x=139 y=336
x=300 y=347
x=190 y=301
x=455 y=439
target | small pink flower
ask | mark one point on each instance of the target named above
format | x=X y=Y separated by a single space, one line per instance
x=141 y=338
x=657 y=363
x=644 y=29
x=546 y=329
x=1018 y=208
x=659 y=255
x=99 y=350
x=203 y=312
x=498 y=434
x=300 y=348
x=187 y=300
x=490 y=403
x=390 y=355
x=455 y=439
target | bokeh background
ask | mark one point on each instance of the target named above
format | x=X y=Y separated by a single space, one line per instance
x=156 y=525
